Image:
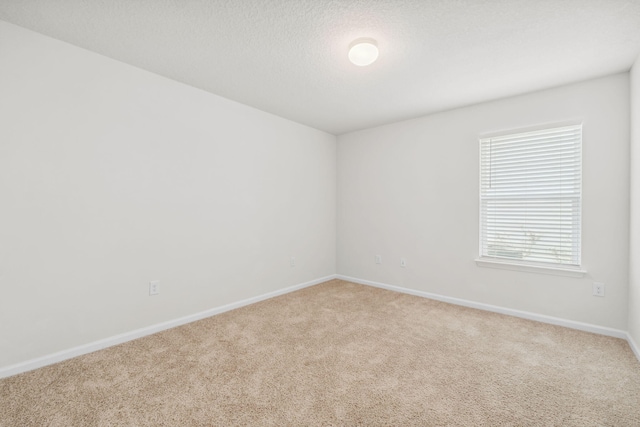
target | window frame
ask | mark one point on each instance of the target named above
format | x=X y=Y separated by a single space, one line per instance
x=570 y=270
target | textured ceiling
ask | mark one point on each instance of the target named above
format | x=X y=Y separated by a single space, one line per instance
x=289 y=57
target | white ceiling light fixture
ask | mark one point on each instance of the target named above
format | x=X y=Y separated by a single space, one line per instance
x=363 y=52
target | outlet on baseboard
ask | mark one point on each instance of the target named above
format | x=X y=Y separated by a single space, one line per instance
x=598 y=289
x=154 y=287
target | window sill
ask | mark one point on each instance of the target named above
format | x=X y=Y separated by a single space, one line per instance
x=530 y=268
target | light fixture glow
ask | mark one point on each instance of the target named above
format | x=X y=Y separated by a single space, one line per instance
x=363 y=52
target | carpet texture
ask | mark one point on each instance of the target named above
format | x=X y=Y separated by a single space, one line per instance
x=339 y=354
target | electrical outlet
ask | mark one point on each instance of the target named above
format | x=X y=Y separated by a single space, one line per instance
x=378 y=259
x=154 y=287
x=292 y=262
x=403 y=262
x=598 y=289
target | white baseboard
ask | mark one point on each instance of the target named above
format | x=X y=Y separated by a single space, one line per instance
x=138 y=333
x=602 y=330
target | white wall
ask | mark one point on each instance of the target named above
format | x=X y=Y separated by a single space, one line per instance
x=634 y=279
x=410 y=189
x=111 y=176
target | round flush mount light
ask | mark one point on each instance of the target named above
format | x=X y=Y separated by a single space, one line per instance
x=363 y=52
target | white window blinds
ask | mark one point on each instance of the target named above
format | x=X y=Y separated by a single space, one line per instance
x=530 y=196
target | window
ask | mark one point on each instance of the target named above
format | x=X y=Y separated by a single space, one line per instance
x=531 y=197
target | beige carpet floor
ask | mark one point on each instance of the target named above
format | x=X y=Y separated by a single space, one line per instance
x=340 y=354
